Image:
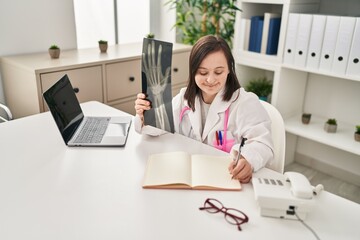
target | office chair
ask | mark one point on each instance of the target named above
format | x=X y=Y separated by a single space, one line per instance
x=278 y=136
x=5 y=109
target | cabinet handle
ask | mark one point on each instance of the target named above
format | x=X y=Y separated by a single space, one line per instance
x=76 y=90
x=132 y=79
x=176 y=69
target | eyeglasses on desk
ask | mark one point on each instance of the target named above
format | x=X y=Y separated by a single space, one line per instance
x=232 y=215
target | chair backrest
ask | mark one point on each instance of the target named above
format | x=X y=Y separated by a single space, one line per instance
x=5 y=109
x=278 y=136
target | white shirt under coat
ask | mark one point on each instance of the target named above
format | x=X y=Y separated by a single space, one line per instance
x=247 y=118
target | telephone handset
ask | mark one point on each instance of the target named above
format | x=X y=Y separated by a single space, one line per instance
x=285 y=194
x=299 y=185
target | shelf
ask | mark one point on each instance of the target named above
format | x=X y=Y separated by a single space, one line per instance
x=252 y=59
x=266 y=1
x=343 y=139
x=320 y=72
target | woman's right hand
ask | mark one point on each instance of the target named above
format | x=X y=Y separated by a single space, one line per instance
x=141 y=105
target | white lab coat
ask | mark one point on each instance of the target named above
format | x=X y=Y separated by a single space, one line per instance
x=247 y=118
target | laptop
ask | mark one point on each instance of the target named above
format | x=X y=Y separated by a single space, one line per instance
x=79 y=130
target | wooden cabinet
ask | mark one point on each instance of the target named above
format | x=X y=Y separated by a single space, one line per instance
x=86 y=82
x=325 y=94
x=180 y=71
x=113 y=78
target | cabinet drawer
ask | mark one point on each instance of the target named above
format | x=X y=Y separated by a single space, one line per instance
x=180 y=68
x=127 y=106
x=123 y=79
x=87 y=82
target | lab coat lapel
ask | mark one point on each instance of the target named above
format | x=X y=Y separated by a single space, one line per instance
x=195 y=119
x=213 y=118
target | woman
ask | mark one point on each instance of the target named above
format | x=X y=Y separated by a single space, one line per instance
x=215 y=110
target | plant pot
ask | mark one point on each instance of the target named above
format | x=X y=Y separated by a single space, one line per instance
x=54 y=53
x=264 y=98
x=305 y=118
x=357 y=137
x=103 y=47
x=330 y=128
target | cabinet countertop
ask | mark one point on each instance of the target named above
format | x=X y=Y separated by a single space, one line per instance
x=89 y=56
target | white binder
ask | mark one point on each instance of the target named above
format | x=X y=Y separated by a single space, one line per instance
x=343 y=44
x=316 y=41
x=353 y=67
x=245 y=34
x=267 y=17
x=302 y=39
x=291 y=38
x=329 y=43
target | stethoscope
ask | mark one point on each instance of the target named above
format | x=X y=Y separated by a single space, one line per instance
x=187 y=108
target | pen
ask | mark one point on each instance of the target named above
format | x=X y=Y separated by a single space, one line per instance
x=239 y=152
x=220 y=137
x=217 y=137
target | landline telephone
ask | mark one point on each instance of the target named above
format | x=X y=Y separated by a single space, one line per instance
x=285 y=195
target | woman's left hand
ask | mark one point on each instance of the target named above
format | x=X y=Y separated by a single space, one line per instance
x=242 y=171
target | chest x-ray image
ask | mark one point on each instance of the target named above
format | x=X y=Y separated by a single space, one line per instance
x=156 y=83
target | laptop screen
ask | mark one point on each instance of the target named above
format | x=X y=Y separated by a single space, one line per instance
x=65 y=107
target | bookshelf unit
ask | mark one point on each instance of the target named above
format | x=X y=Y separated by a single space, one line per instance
x=325 y=94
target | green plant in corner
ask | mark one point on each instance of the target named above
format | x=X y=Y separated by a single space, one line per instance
x=260 y=86
x=102 y=42
x=195 y=19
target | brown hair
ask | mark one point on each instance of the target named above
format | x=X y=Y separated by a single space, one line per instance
x=204 y=46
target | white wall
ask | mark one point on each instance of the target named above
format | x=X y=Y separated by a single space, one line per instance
x=28 y=26
x=94 y=21
x=162 y=19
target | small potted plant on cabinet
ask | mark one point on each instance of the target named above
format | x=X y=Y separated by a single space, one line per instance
x=261 y=87
x=150 y=35
x=330 y=125
x=305 y=118
x=54 y=51
x=357 y=133
x=103 y=45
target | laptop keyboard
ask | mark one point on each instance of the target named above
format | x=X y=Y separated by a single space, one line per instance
x=93 y=130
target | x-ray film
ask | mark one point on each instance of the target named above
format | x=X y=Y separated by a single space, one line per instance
x=156 y=83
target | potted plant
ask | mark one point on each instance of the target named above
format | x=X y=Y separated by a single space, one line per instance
x=195 y=19
x=103 y=45
x=357 y=133
x=305 y=118
x=330 y=125
x=261 y=87
x=150 y=35
x=54 y=51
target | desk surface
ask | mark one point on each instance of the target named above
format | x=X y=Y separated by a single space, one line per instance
x=50 y=191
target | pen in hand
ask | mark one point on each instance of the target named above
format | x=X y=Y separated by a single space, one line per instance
x=239 y=152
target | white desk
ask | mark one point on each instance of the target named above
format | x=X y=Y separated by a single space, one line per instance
x=50 y=191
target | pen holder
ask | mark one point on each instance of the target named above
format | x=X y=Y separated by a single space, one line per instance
x=226 y=146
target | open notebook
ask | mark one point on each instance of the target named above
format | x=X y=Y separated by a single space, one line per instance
x=182 y=170
x=78 y=130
